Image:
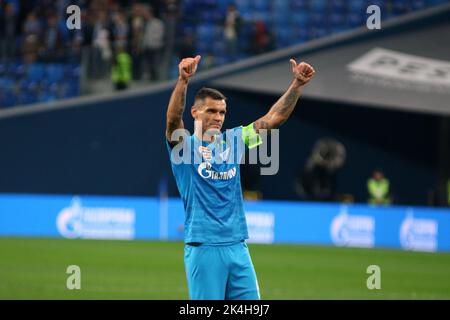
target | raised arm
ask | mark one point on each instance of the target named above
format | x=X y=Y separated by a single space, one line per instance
x=177 y=102
x=283 y=108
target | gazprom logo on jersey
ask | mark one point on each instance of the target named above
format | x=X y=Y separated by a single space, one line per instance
x=352 y=230
x=260 y=226
x=77 y=221
x=206 y=172
x=418 y=234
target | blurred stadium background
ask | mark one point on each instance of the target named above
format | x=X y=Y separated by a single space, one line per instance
x=364 y=168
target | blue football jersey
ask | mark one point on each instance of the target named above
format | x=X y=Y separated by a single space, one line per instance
x=208 y=179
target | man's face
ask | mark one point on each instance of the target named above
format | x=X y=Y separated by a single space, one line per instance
x=377 y=175
x=211 y=114
x=231 y=8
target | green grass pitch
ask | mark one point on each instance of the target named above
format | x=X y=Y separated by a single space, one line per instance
x=36 y=269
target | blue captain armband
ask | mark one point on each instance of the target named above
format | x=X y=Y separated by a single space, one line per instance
x=250 y=137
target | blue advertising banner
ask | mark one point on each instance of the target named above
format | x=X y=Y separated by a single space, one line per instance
x=352 y=225
x=86 y=217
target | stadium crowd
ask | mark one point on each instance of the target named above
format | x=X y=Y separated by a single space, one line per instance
x=146 y=38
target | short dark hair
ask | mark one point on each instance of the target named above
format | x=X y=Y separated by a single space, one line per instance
x=209 y=92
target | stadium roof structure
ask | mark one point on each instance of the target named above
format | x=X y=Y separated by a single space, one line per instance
x=405 y=66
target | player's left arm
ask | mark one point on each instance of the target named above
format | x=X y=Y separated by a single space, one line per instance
x=283 y=108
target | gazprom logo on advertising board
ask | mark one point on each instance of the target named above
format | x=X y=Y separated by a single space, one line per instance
x=418 y=234
x=77 y=221
x=260 y=226
x=352 y=230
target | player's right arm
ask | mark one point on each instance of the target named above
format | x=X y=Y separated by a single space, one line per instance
x=177 y=102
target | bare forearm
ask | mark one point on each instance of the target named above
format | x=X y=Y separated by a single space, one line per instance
x=283 y=108
x=176 y=106
x=286 y=104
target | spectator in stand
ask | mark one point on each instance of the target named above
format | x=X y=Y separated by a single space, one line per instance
x=32 y=26
x=52 y=49
x=81 y=41
x=232 y=26
x=29 y=49
x=262 y=40
x=136 y=24
x=153 y=43
x=31 y=39
x=8 y=31
x=121 y=71
x=186 y=47
x=119 y=30
x=101 y=47
x=170 y=16
x=378 y=188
